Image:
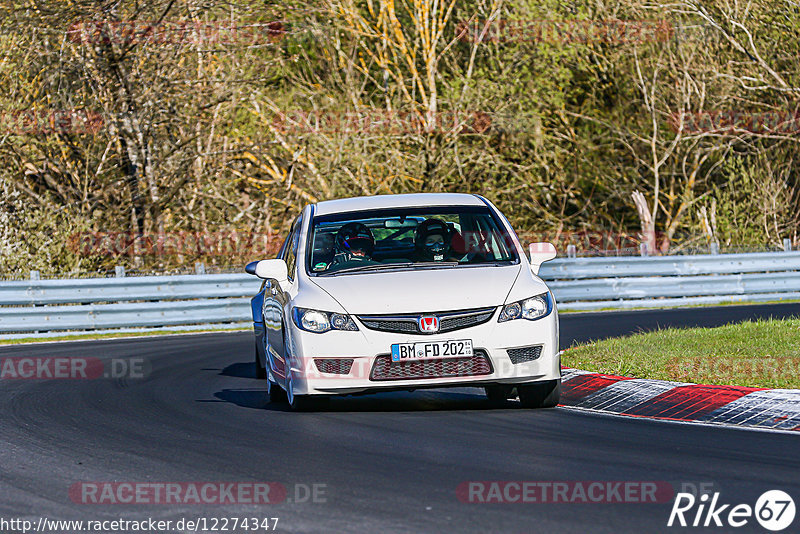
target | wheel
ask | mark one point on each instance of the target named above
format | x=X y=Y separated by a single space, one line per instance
x=498 y=393
x=261 y=372
x=274 y=391
x=540 y=394
x=303 y=403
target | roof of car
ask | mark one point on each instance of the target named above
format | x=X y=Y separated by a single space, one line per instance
x=413 y=200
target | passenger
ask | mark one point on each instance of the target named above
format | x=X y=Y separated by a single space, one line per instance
x=432 y=241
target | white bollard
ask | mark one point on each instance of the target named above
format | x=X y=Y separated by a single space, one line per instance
x=572 y=251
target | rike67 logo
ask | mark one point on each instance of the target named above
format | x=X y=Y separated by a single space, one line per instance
x=774 y=510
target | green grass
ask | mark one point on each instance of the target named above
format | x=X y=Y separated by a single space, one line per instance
x=113 y=335
x=763 y=353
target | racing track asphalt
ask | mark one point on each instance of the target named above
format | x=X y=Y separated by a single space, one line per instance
x=389 y=462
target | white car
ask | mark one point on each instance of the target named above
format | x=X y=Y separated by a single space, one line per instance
x=401 y=292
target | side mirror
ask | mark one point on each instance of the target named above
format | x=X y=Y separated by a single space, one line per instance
x=540 y=253
x=269 y=269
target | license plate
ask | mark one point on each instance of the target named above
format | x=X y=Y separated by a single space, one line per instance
x=459 y=348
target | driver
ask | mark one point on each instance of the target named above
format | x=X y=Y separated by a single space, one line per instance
x=354 y=245
x=432 y=241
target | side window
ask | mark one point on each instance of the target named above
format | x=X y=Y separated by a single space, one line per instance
x=291 y=253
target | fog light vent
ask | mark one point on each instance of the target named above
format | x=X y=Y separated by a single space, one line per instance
x=525 y=354
x=334 y=366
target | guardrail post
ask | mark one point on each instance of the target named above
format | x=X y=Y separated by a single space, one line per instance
x=119 y=271
x=713 y=248
x=572 y=251
x=787 y=245
x=643 y=249
x=35 y=275
x=200 y=268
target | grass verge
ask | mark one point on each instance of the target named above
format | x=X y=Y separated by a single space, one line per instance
x=762 y=353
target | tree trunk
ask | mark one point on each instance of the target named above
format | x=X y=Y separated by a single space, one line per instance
x=648 y=224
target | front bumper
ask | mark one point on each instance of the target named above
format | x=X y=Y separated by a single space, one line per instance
x=364 y=346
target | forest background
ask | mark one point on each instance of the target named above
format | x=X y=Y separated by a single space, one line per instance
x=157 y=134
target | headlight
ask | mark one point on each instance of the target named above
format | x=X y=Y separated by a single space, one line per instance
x=531 y=309
x=320 y=321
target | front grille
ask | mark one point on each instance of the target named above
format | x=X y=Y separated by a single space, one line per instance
x=407 y=324
x=334 y=366
x=525 y=354
x=448 y=324
x=385 y=369
x=400 y=327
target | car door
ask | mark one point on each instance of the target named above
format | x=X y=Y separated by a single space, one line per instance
x=260 y=307
x=275 y=300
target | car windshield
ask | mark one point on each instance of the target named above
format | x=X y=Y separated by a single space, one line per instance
x=407 y=238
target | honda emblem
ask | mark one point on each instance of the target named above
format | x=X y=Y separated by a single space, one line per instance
x=428 y=324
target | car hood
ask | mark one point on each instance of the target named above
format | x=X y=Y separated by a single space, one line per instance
x=424 y=290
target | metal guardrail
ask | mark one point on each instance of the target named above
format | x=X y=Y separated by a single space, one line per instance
x=141 y=288
x=614 y=267
x=669 y=281
x=184 y=301
x=38 y=306
x=151 y=314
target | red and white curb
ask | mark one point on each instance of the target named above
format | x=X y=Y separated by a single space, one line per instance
x=777 y=409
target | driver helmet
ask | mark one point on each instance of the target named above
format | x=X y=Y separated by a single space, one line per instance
x=355 y=236
x=433 y=239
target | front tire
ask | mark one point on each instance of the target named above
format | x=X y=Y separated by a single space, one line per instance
x=498 y=393
x=540 y=394
x=274 y=391
x=261 y=372
x=303 y=403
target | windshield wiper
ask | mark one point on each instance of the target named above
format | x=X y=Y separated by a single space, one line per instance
x=387 y=266
x=436 y=264
x=378 y=267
